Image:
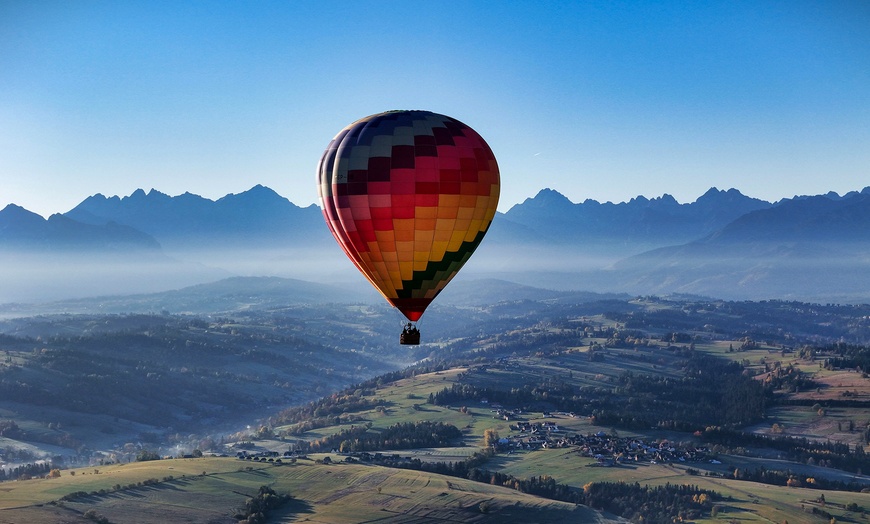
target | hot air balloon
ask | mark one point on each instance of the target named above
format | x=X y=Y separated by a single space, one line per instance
x=408 y=195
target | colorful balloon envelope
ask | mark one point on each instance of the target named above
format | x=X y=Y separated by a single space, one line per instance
x=408 y=195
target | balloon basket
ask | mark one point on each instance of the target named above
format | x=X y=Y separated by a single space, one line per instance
x=410 y=337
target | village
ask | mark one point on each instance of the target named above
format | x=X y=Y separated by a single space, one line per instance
x=607 y=449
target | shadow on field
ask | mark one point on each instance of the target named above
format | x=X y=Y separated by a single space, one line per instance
x=259 y=472
x=502 y=461
x=169 y=485
x=141 y=491
x=524 y=514
x=420 y=408
x=290 y=510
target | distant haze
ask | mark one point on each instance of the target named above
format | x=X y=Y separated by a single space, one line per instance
x=724 y=245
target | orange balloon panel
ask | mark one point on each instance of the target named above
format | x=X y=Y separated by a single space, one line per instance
x=408 y=195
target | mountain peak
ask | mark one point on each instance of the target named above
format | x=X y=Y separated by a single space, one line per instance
x=263 y=192
x=16 y=213
x=715 y=193
x=549 y=197
x=257 y=195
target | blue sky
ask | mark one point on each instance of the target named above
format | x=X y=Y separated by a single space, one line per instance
x=598 y=100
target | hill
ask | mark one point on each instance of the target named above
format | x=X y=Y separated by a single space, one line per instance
x=215 y=489
x=87 y=382
x=238 y=294
x=225 y=296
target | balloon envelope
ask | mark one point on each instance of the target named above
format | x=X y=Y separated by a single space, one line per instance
x=408 y=195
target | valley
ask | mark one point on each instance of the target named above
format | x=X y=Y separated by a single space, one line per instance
x=554 y=399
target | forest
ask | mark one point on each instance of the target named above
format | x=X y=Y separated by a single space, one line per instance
x=708 y=394
x=408 y=435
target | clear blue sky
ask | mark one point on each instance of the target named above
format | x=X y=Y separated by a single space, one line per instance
x=600 y=100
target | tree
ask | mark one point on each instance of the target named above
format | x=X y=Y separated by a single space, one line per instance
x=92 y=514
x=490 y=438
x=257 y=508
x=145 y=455
x=265 y=432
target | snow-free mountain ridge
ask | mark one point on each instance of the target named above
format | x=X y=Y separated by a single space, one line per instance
x=255 y=218
x=724 y=244
x=23 y=229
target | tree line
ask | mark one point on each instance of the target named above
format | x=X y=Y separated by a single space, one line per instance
x=404 y=435
x=824 y=453
x=25 y=471
x=789 y=478
x=846 y=356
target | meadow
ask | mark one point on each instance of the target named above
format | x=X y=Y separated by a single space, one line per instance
x=209 y=489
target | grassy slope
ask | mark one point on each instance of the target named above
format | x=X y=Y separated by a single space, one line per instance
x=803 y=421
x=322 y=493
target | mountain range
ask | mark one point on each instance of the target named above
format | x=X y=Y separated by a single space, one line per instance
x=22 y=229
x=641 y=222
x=724 y=244
x=255 y=218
